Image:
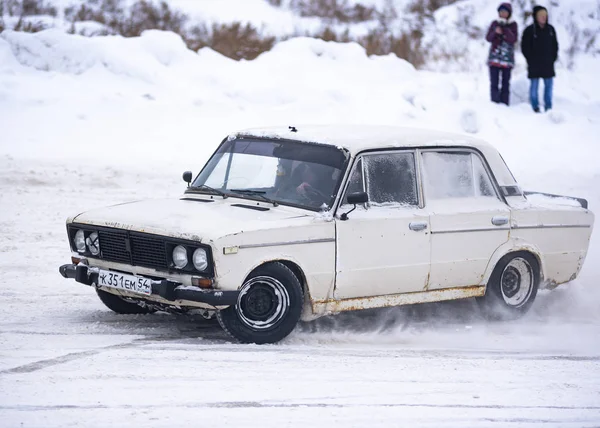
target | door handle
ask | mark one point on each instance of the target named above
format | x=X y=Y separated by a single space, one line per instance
x=499 y=220
x=417 y=226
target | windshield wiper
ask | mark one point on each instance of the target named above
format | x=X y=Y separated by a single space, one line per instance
x=259 y=193
x=210 y=189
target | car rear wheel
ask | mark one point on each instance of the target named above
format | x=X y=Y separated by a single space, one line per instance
x=120 y=306
x=268 y=307
x=512 y=287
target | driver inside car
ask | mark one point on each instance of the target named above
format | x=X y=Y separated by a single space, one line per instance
x=311 y=183
x=309 y=180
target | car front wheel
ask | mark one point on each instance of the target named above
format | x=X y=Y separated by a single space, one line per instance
x=268 y=307
x=512 y=287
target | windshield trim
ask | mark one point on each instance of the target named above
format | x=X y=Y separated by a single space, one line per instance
x=252 y=198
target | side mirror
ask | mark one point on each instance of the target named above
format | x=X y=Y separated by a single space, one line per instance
x=358 y=198
x=355 y=199
x=187 y=177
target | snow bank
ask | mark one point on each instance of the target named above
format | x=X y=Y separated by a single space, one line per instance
x=152 y=98
x=453 y=40
x=141 y=57
x=8 y=62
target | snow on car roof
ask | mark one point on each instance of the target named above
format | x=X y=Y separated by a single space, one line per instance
x=357 y=138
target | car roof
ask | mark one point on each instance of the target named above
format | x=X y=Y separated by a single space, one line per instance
x=357 y=138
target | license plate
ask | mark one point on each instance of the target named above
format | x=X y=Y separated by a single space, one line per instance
x=131 y=283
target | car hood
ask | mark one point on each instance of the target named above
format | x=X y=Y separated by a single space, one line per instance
x=197 y=218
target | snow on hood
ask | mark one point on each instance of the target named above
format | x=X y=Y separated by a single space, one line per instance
x=192 y=219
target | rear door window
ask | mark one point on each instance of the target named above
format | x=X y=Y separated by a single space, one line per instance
x=455 y=175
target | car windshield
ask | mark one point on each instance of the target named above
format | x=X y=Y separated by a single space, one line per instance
x=306 y=175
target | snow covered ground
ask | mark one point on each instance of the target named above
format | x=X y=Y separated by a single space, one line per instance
x=91 y=122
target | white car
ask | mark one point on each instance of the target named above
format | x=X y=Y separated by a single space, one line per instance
x=296 y=223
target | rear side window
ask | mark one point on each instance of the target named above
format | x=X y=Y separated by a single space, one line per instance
x=455 y=175
x=389 y=179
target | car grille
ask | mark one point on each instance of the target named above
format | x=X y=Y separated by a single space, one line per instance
x=114 y=246
x=148 y=251
x=131 y=248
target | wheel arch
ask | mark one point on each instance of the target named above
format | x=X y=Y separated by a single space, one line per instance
x=291 y=265
x=510 y=248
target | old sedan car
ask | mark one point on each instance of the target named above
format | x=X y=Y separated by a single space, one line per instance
x=296 y=223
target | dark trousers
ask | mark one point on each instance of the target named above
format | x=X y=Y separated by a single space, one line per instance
x=500 y=95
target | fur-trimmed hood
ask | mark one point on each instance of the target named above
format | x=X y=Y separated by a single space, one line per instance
x=503 y=21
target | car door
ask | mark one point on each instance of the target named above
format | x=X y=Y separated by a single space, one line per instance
x=468 y=219
x=383 y=247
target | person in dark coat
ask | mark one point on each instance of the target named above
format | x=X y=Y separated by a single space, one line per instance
x=502 y=34
x=540 y=47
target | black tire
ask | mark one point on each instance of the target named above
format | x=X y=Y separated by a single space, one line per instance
x=268 y=308
x=120 y=306
x=512 y=287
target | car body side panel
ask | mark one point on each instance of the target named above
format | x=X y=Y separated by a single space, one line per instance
x=311 y=246
x=561 y=235
x=464 y=238
x=378 y=253
x=558 y=236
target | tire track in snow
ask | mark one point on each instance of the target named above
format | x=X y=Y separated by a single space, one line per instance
x=72 y=356
x=258 y=404
x=42 y=364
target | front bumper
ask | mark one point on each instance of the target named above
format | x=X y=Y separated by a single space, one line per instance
x=166 y=289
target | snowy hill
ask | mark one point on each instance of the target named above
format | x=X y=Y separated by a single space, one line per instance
x=152 y=89
x=431 y=35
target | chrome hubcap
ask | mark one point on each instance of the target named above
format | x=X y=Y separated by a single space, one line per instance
x=516 y=282
x=262 y=303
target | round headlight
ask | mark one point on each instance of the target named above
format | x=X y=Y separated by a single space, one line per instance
x=180 y=259
x=80 y=241
x=93 y=243
x=200 y=259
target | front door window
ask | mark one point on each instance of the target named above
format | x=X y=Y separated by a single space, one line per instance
x=390 y=179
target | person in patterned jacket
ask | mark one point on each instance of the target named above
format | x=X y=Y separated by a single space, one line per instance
x=502 y=35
